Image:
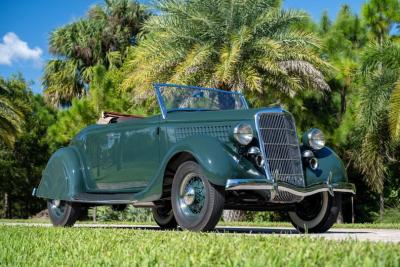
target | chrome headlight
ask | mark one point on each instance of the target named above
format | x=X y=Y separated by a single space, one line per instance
x=243 y=133
x=314 y=138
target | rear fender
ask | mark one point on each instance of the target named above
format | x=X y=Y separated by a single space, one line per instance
x=62 y=177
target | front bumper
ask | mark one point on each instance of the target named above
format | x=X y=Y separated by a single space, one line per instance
x=261 y=184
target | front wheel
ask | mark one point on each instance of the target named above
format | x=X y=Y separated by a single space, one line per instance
x=196 y=203
x=63 y=213
x=316 y=213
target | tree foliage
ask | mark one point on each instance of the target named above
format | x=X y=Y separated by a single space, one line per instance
x=11 y=109
x=100 y=38
x=21 y=165
x=104 y=96
x=232 y=45
x=378 y=120
x=380 y=16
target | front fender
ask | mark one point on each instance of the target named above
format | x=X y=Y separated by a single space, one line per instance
x=330 y=166
x=218 y=162
x=62 y=177
x=214 y=159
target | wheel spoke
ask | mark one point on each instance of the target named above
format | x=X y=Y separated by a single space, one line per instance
x=193 y=195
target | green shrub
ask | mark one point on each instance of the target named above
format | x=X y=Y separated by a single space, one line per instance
x=390 y=215
x=106 y=213
x=266 y=216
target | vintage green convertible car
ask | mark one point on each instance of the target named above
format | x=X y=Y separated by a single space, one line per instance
x=206 y=152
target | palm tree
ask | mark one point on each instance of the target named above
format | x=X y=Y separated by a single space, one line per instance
x=379 y=114
x=250 y=45
x=341 y=47
x=11 y=118
x=380 y=16
x=100 y=38
x=384 y=62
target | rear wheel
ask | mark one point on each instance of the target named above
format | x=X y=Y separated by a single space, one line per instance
x=196 y=203
x=63 y=213
x=164 y=217
x=316 y=213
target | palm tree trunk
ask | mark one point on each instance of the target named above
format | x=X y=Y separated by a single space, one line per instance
x=352 y=209
x=343 y=103
x=340 y=215
x=234 y=215
x=381 y=205
x=6 y=205
x=95 y=214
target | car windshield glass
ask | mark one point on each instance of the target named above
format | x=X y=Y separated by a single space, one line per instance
x=191 y=98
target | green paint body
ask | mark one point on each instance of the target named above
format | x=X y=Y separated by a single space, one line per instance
x=132 y=156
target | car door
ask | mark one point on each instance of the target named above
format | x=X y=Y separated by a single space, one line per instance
x=140 y=152
x=122 y=156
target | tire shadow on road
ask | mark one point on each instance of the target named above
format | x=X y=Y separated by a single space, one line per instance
x=231 y=230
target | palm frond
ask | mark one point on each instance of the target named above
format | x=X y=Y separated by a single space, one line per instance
x=378 y=56
x=374 y=100
x=275 y=20
x=62 y=81
x=312 y=77
x=394 y=112
x=251 y=78
x=197 y=57
x=372 y=154
x=11 y=115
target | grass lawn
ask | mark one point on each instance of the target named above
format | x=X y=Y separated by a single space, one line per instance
x=250 y=224
x=36 y=246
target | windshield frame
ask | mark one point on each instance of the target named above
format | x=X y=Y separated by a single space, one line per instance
x=164 y=110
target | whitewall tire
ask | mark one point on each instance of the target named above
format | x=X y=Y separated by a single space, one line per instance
x=316 y=213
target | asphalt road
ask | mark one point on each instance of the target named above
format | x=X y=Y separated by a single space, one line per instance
x=374 y=235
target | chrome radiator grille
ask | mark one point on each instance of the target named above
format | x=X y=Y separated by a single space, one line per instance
x=280 y=146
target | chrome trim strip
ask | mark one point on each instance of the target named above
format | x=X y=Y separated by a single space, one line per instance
x=196 y=87
x=160 y=101
x=258 y=184
x=270 y=178
x=105 y=202
x=244 y=101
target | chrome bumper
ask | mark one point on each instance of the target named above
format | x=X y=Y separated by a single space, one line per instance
x=260 y=184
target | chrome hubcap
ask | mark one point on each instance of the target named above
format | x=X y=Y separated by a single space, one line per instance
x=56 y=203
x=192 y=195
x=57 y=207
x=189 y=196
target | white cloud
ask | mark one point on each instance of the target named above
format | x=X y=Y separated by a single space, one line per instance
x=12 y=49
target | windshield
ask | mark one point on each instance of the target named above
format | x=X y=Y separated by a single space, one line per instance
x=174 y=98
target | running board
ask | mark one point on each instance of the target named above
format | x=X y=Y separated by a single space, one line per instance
x=110 y=199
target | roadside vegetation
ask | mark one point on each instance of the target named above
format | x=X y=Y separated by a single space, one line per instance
x=341 y=75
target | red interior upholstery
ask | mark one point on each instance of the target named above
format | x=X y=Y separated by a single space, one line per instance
x=114 y=117
x=107 y=114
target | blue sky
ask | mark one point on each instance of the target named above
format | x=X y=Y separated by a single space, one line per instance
x=25 y=26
